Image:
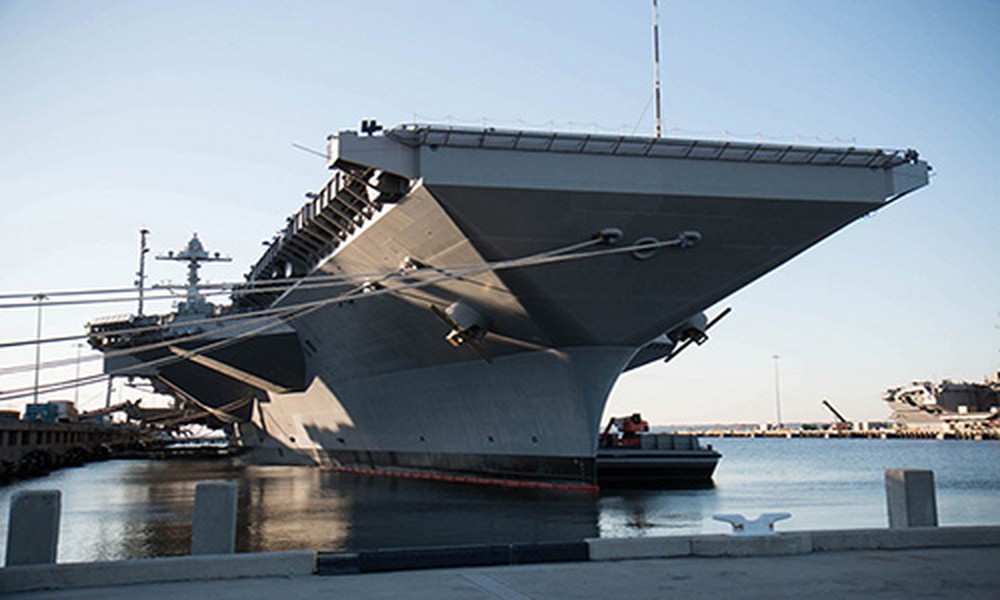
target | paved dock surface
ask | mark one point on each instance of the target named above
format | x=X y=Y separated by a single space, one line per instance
x=967 y=573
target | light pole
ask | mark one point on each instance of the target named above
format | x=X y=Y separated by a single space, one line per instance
x=777 y=390
x=656 y=68
x=140 y=282
x=76 y=390
x=39 y=298
x=107 y=396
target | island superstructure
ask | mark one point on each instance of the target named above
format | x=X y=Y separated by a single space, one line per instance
x=461 y=301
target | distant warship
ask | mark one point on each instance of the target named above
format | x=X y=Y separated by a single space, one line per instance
x=924 y=403
x=461 y=301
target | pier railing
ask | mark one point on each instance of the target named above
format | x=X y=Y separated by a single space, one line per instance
x=666 y=147
x=349 y=200
x=978 y=434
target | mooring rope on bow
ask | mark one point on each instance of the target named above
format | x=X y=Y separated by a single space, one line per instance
x=292 y=312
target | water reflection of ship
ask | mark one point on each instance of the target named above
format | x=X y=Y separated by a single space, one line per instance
x=389 y=512
x=282 y=508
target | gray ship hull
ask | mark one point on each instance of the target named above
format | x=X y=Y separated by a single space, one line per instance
x=525 y=415
x=384 y=391
x=560 y=334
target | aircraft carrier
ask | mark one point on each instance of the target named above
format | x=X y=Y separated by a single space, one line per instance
x=461 y=301
x=927 y=404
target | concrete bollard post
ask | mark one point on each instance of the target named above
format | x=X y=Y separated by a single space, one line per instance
x=909 y=495
x=214 y=528
x=33 y=527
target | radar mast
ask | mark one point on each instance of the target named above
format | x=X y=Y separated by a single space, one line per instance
x=194 y=254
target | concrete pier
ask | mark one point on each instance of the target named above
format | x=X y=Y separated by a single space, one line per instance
x=757 y=431
x=876 y=563
x=910 y=498
x=214 y=528
x=33 y=528
x=875 y=574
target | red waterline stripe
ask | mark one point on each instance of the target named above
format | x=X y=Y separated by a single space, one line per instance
x=511 y=483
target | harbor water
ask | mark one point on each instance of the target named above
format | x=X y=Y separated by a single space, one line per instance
x=143 y=508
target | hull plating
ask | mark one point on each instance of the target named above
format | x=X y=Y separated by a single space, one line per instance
x=380 y=386
x=387 y=391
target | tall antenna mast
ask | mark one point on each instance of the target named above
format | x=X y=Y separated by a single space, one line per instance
x=194 y=254
x=656 y=68
x=141 y=281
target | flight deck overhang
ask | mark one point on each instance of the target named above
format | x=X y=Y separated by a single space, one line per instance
x=631 y=164
x=347 y=148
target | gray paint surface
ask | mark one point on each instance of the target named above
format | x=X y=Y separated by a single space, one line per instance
x=910 y=498
x=379 y=375
x=33 y=529
x=213 y=530
x=882 y=574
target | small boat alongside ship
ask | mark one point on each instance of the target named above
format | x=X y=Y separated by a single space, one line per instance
x=629 y=455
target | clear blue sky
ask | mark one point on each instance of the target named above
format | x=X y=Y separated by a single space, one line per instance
x=179 y=116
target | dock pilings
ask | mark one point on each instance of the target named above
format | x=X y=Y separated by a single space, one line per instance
x=213 y=530
x=33 y=526
x=910 y=498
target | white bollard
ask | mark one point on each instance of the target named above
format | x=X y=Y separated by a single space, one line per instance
x=214 y=528
x=762 y=525
x=33 y=527
x=909 y=495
